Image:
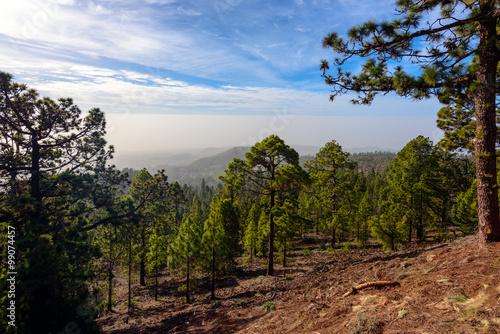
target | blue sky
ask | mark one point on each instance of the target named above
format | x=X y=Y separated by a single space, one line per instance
x=155 y=66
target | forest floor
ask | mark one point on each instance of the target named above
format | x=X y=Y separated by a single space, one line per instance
x=451 y=287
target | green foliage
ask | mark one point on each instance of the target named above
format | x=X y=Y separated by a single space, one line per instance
x=186 y=248
x=412 y=179
x=54 y=187
x=287 y=225
x=306 y=251
x=269 y=306
x=465 y=210
x=263 y=234
x=364 y=324
x=270 y=168
x=153 y=196
x=187 y=245
x=365 y=211
x=329 y=172
x=240 y=303
x=251 y=236
x=347 y=246
x=157 y=253
x=221 y=237
x=389 y=227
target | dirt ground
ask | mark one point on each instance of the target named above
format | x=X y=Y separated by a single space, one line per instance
x=451 y=287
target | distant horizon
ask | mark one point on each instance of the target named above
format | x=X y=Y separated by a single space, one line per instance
x=155 y=133
x=368 y=149
x=172 y=158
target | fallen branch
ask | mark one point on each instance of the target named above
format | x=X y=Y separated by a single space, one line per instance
x=377 y=284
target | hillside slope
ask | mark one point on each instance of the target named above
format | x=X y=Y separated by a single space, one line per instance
x=444 y=288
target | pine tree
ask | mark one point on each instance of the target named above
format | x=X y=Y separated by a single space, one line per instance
x=326 y=170
x=157 y=253
x=363 y=215
x=389 y=226
x=113 y=248
x=412 y=178
x=221 y=236
x=263 y=233
x=251 y=236
x=287 y=225
x=465 y=209
x=51 y=161
x=152 y=194
x=263 y=162
x=185 y=249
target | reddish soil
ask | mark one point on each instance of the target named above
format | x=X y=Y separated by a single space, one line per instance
x=451 y=287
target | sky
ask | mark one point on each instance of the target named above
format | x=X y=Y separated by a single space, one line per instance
x=196 y=73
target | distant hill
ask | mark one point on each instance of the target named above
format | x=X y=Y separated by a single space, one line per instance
x=153 y=160
x=192 y=166
x=367 y=149
x=378 y=161
x=208 y=167
x=219 y=161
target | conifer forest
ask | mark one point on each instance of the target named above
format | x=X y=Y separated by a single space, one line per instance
x=332 y=242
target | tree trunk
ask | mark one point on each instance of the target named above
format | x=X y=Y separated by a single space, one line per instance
x=334 y=205
x=213 y=272
x=35 y=170
x=284 y=255
x=142 y=280
x=187 y=281
x=270 y=256
x=110 y=274
x=420 y=234
x=410 y=231
x=110 y=287
x=156 y=273
x=333 y=236
x=129 y=276
x=486 y=129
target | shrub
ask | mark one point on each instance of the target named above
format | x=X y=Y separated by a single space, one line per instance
x=306 y=252
x=269 y=306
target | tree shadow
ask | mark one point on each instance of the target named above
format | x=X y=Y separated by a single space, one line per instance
x=181 y=323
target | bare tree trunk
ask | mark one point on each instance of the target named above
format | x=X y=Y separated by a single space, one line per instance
x=142 y=279
x=486 y=129
x=187 y=280
x=110 y=288
x=333 y=236
x=284 y=255
x=35 y=170
x=156 y=272
x=270 y=256
x=129 y=276
x=213 y=272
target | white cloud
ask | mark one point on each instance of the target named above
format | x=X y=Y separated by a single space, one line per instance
x=109 y=90
x=58 y=46
x=189 y=12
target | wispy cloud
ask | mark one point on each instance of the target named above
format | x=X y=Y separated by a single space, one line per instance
x=223 y=56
